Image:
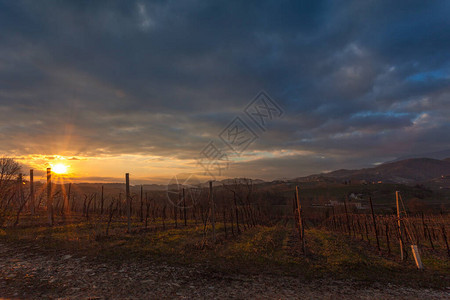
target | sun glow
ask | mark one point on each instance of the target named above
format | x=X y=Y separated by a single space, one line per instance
x=59 y=168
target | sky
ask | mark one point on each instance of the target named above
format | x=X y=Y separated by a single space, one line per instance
x=157 y=88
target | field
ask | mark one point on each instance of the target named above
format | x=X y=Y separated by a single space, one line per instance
x=267 y=251
x=260 y=249
x=248 y=233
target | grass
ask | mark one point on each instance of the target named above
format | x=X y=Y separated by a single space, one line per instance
x=273 y=250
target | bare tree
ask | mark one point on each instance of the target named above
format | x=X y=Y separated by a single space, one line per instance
x=9 y=172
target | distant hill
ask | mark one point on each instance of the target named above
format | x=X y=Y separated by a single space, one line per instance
x=241 y=180
x=444 y=154
x=404 y=171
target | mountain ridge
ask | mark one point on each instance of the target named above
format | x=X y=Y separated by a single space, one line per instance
x=412 y=170
x=440 y=155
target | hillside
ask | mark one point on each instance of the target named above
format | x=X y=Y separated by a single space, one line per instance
x=405 y=171
x=440 y=155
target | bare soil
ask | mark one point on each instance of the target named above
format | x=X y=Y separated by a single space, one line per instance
x=27 y=272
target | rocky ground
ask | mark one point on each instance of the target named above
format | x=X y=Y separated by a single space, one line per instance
x=28 y=273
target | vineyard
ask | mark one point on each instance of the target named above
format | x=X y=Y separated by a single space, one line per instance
x=234 y=229
x=211 y=215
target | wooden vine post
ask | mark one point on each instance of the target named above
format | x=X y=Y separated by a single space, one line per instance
x=102 y=199
x=300 y=220
x=416 y=255
x=213 y=211
x=32 y=196
x=399 y=225
x=374 y=224
x=346 y=216
x=127 y=181
x=49 y=197
x=142 y=204
x=66 y=195
x=184 y=208
x=414 y=248
x=21 y=194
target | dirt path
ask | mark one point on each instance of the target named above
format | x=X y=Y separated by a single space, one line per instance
x=26 y=273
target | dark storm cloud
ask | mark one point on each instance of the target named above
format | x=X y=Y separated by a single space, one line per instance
x=360 y=81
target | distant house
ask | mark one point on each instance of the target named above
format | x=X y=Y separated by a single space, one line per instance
x=355 y=197
x=360 y=205
x=334 y=203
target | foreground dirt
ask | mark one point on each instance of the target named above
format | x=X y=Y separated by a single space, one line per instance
x=28 y=273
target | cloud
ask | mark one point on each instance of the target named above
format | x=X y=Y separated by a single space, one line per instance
x=360 y=82
x=146 y=22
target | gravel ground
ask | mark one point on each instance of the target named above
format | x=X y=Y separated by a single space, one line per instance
x=26 y=273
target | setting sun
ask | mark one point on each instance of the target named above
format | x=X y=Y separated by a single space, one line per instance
x=59 y=169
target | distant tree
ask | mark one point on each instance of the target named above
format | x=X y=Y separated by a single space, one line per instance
x=9 y=173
